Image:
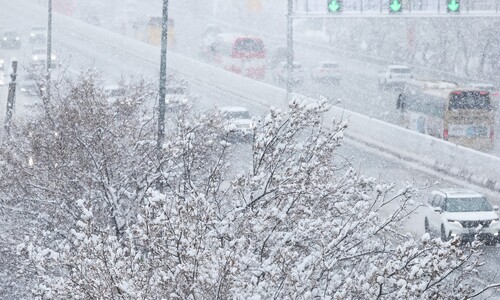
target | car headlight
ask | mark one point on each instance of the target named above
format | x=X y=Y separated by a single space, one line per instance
x=494 y=221
x=17 y=39
x=4 y=38
x=32 y=34
x=53 y=57
x=35 y=57
x=455 y=222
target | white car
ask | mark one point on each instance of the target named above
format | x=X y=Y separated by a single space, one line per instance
x=39 y=57
x=327 y=72
x=38 y=35
x=463 y=214
x=237 y=120
x=280 y=73
x=394 y=76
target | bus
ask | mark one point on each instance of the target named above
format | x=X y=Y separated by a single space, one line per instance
x=463 y=116
x=240 y=54
x=150 y=31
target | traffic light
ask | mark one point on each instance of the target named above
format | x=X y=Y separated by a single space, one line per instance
x=453 y=6
x=334 y=6
x=395 y=6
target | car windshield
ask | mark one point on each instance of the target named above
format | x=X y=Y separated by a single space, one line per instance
x=400 y=70
x=330 y=66
x=470 y=100
x=115 y=92
x=467 y=204
x=10 y=34
x=175 y=91
x=237 y=115
x=38 y=29
x=39 y=51
x=249 y=45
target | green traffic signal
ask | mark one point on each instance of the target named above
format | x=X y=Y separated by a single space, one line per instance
x=453 y=6
x=395 y=6
x=334 y=6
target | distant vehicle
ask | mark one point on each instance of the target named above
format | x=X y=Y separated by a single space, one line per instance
x=30 y=87
x=3 y=78
x=93 y=20
x=277 y=56
x=10 y=39
x=463 y=214
x=153 y=32
x=208 y=39
x=326 y=72
x=238 y=121
x=114 y=93
x=240 y=54
x=394 y=77
x=2 y=66
x=461 y=116
x=176 y=98
x=39 y=57
x=280 y=73
x=38 y=35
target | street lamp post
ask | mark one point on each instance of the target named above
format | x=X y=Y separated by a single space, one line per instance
x=49 y=49
x=289 y=41
x=163 y=77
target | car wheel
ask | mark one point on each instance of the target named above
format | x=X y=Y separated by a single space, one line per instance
x=444 y=237
x=426 y=226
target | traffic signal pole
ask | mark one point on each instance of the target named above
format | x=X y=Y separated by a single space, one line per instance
x=163 y=77
x=289 y=52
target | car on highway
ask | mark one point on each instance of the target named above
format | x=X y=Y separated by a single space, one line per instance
x=327 y=71
x=10 y=40
x=277 y=56
x=29 y=86
x=394 y=76
x=280 y=73
x=238 y=122
x=39 y=57
x=176 y=97
x=38 y=35
x=208 y=44
x=2 y=65
x=114 y=93
x=463 y=214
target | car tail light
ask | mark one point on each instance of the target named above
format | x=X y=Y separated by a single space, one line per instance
x=492 y=134
x=457 y=92
x=445 y=134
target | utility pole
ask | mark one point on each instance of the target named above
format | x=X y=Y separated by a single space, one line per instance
x=289 y=52
x=163 y=77
x=49 y=49
x=11 y=97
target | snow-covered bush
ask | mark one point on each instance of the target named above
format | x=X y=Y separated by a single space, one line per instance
x=114 y=219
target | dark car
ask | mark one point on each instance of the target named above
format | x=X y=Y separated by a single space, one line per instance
x=10 y=39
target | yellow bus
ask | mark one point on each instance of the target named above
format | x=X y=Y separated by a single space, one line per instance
x=150 y=32
x=444 y=110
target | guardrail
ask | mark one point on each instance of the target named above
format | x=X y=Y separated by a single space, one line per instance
x=474 y=166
